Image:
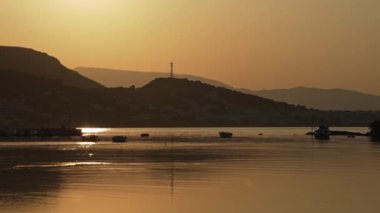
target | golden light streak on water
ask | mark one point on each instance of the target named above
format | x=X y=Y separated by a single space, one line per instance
x=87 y=130
x=86 y=144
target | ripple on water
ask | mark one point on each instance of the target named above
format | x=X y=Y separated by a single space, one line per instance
x=62 y=164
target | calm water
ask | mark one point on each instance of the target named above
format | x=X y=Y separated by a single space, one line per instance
x=192 y=170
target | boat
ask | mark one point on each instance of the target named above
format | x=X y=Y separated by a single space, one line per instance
x=375 y=131
x=323 y=133
x=145 y=135
x=119 y=139
x=90 y=138
x=225 y=134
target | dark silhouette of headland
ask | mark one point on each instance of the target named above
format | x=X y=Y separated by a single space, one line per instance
x=42 y=65
x=36 y=90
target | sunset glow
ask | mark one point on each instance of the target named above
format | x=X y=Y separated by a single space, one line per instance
x=86 y=4
x=252 y=44
x=187 y=106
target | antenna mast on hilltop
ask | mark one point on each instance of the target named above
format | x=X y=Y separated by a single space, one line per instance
x=171 y=70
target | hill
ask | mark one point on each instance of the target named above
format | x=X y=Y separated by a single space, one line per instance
x=30 y=101
x=41 y=65
x=324 y=99
x=36 y=90
x=124 y=78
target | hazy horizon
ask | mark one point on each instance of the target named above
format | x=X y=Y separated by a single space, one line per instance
x=246 y=44
x=94 y=69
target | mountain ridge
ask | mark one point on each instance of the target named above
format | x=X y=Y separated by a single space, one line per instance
x=28 y=99
x=127 y=78
x=164 y=102
x=43 y=65
x=323 y=99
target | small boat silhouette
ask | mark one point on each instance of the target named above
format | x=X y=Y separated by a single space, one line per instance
x=225 y=134
x=119 y=139
x=145 y=135
x=323 y=133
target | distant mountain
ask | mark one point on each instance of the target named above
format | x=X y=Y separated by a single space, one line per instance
x=124 y=78
x=41 y=65
x=324 y=99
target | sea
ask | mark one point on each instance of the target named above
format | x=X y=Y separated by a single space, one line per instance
x=191 y=170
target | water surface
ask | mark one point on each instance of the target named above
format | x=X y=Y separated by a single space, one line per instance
x=192 y=170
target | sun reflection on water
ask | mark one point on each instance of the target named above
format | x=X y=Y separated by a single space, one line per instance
x=62 y=164
x=86 y=143
x=83 y=164
x=93 y=130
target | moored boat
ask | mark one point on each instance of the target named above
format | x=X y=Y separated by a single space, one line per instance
x=225 y=134
x=119 y=139
x=323 y=133
x=145 y=135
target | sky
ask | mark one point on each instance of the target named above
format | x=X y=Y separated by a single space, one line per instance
x=255 y=44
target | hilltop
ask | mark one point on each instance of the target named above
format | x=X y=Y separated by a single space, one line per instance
x=125 y=78
x=322 y=99
x=41 y=65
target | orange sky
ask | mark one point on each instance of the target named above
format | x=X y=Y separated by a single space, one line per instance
x=257 y=44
